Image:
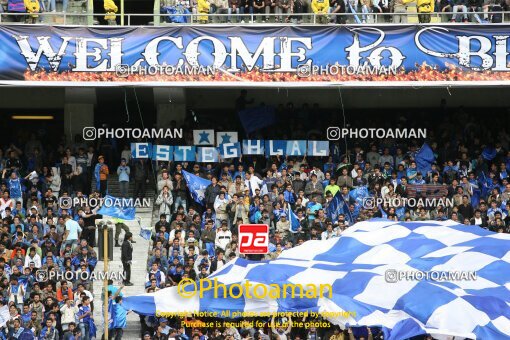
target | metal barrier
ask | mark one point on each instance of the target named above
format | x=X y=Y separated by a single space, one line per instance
x=251 y=18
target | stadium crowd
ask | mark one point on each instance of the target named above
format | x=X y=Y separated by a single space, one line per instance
x=333 y=11
x=287 y=11
x=317 y=199
x=40 y=241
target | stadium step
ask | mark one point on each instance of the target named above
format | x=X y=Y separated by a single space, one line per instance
x=114 y=188
x=138 y=274
x=140 y=255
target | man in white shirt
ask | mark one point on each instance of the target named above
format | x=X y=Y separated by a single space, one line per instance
x=223 y=236
x=33 y=257
x=253 y=183
x=77 y=296
x=5 y=202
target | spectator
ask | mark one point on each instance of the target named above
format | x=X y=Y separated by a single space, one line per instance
x=283 y=7
x=72 y=232
x=233 y=7
x=123 y=172
x=425 y=9
x=87 y=325
x=459 y=6
x=68 y=311
x=165 y=201
x=141 y=178
x=127 y=257
x=320 y=8
x=223 y=236
x=119 y=315
x=203 y=8
x=101 y=173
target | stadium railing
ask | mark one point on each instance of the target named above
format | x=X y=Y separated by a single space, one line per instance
x=158 y=19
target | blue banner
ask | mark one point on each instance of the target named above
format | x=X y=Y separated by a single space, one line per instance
x=489 y=153
x=141 y=150
x=210 y=154
x=115 y=208
x=196 y=186
x=230 y=150
x=207 y=154
x=294 y=221
x=359 y=194
x=317 y=55
x=318 y=148
x=184 y=153
x=257 y=118
x=162 y=152
x=253 y=147
x=336 y=207
x=276 y=147
x=424 y=159
x=297 y=148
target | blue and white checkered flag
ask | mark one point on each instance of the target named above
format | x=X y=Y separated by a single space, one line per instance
x=380 y=272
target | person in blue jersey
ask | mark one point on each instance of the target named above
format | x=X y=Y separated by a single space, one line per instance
x=312 y=208
x=118 y=316
x=20 y=333
x=49 y=332
x=86 y=320
x=411 y=173
x=14 y=184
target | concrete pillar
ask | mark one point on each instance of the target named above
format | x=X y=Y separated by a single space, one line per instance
x=78 y=111
x=170 y=105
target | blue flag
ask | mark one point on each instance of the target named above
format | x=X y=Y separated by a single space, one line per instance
x=424 y=158
x=359 y=194
x=209 y=246
x=257 y=118
x=489 y=153
x=294 y=221
x=196 y=186
x=113 y=207
x=336 y=207
x=400 y=211
x=145 y=233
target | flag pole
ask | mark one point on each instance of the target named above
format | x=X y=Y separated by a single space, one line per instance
x=105 y=283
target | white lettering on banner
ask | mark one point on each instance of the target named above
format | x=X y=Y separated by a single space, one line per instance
x=230 y=150
x=253 y=147
x=82 y=54
x=220 y=51
x=45 y=49
x=280 y=54
x=501 y=53
x=316 y=152
x=286 y=54
x=239 y=49
x=273 y=151
x=207 y=154
x=294 y=148
x=466 y=54
x=354 y=51
x=185 y=150
x=141 y=150
x=151 y=51
x=163 y=152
